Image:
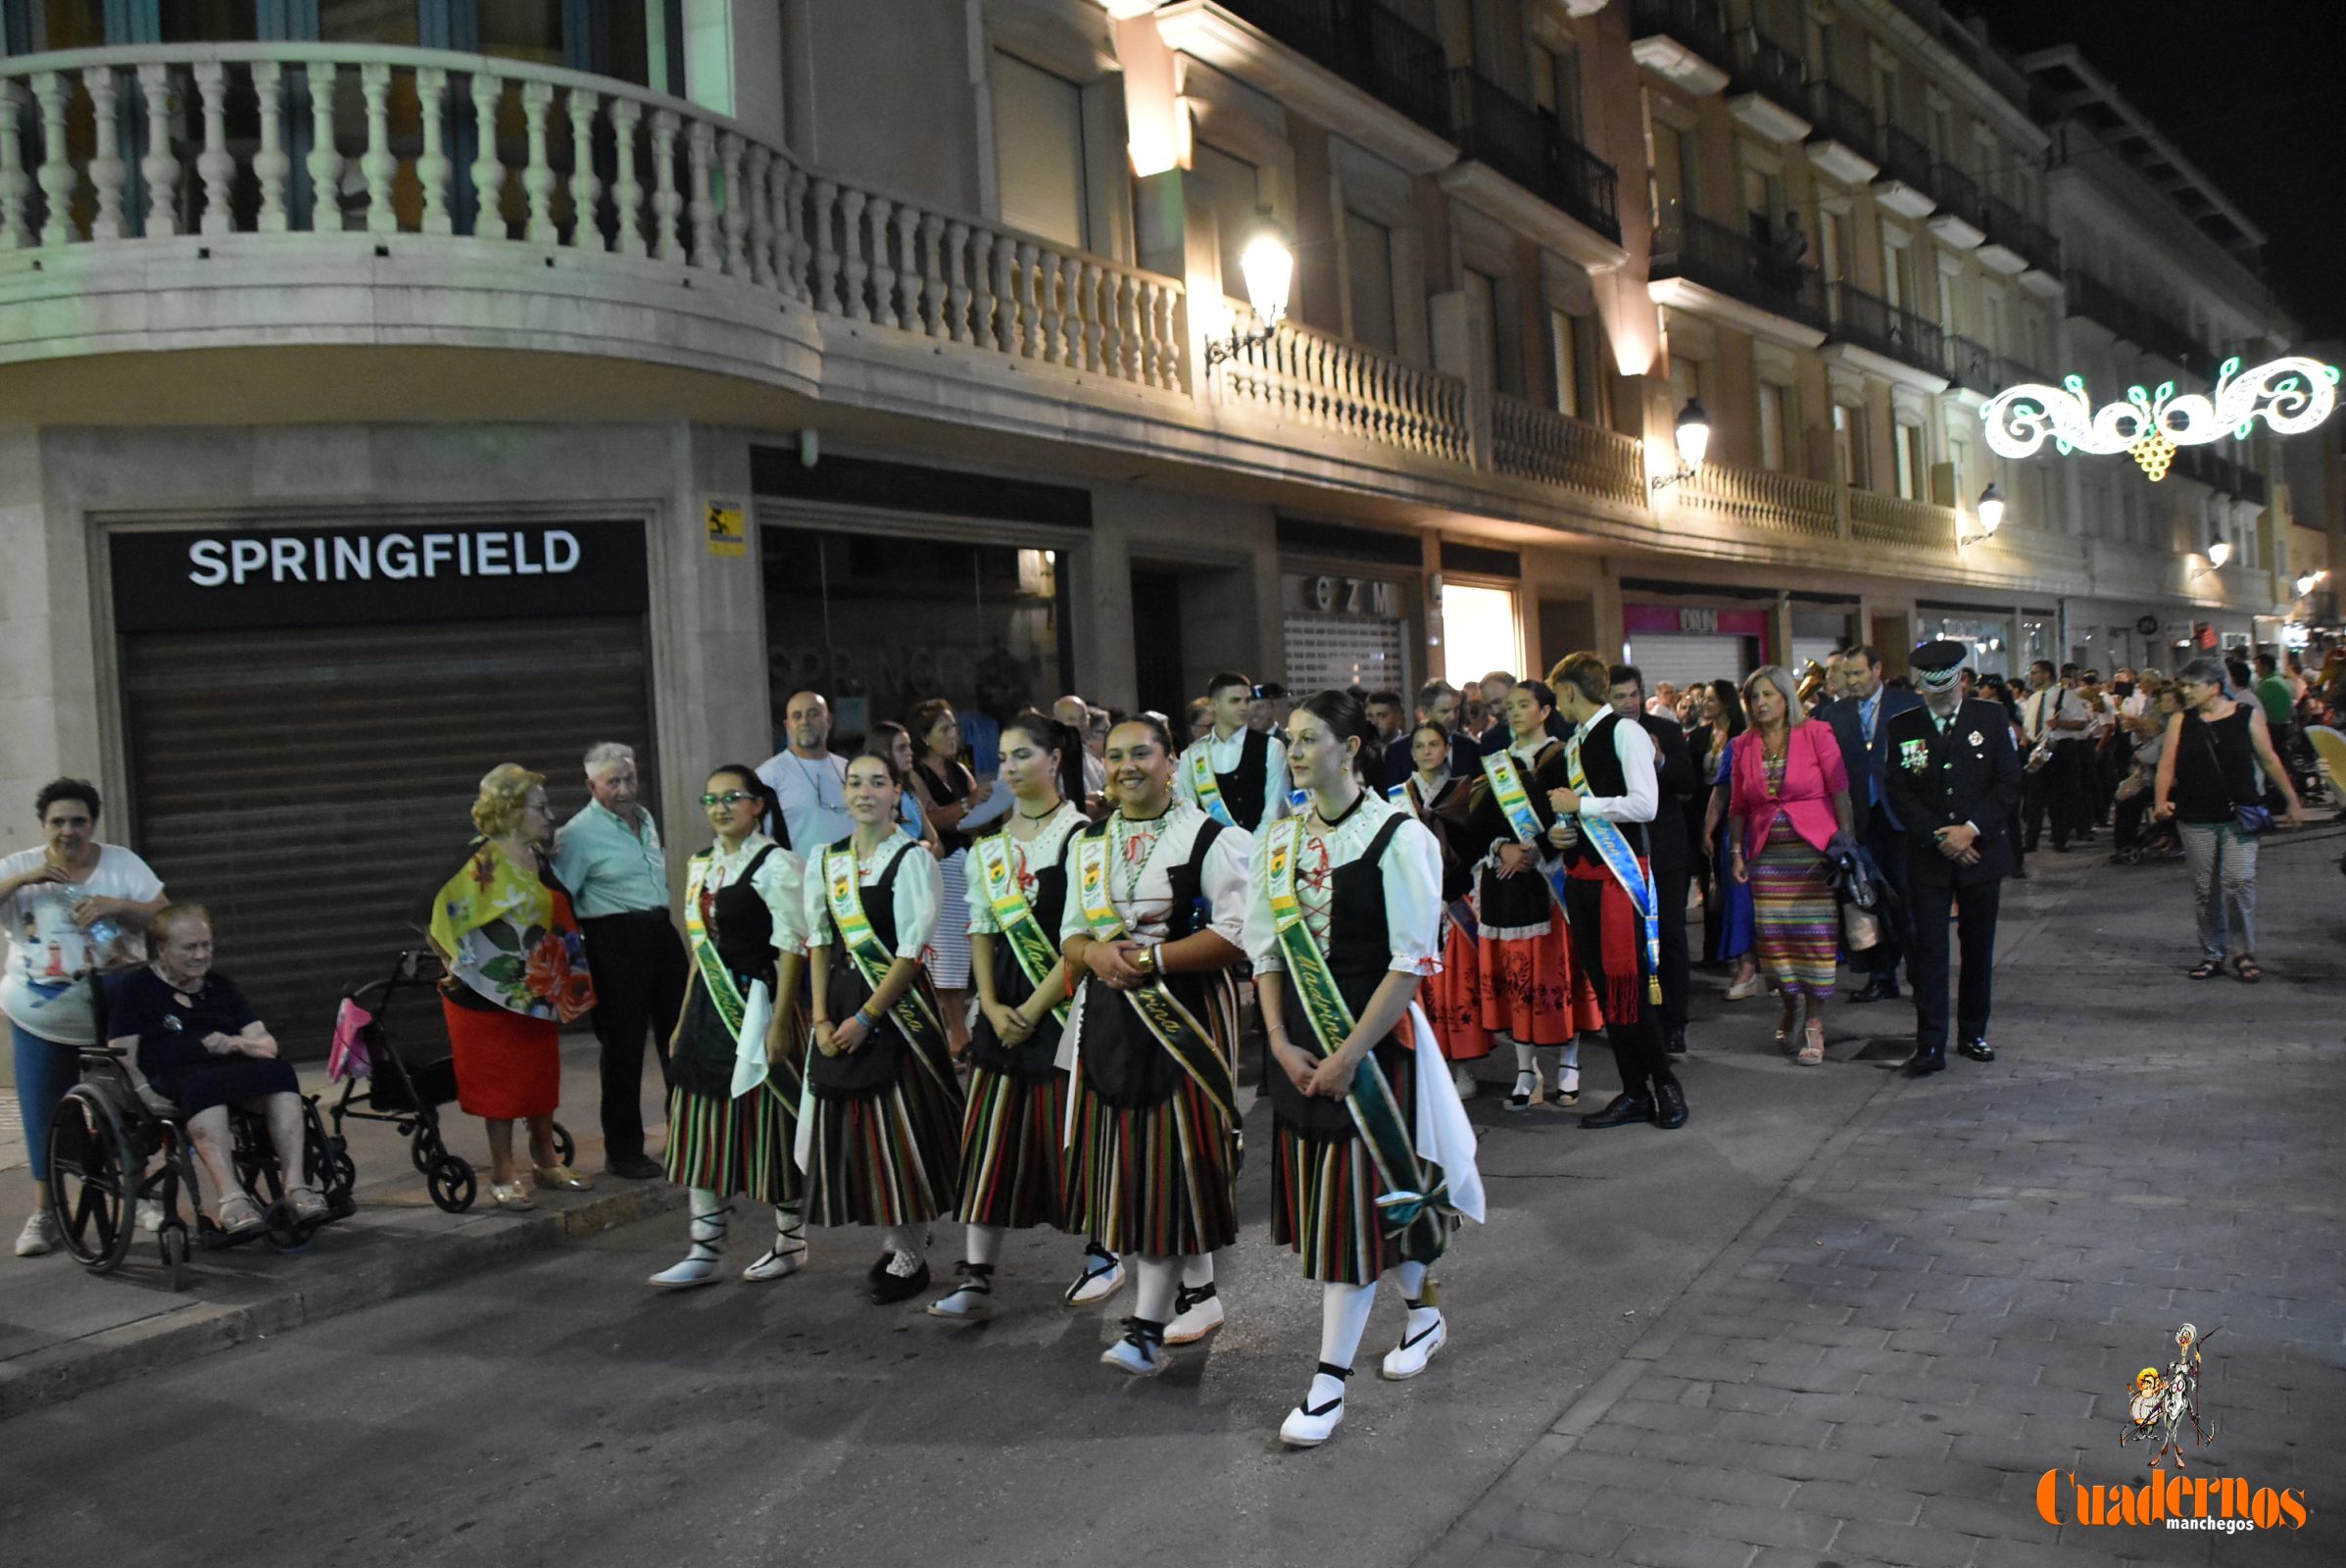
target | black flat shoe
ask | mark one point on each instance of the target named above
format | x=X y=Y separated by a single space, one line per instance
x=1620 y=1111
x=1676 y=1044
x=636 y=1168
x=879 y=1267
x=1925 y=1059
x=890 y=1289
x=1670 y=1107
x=1877 y=989
x=1978 y=1048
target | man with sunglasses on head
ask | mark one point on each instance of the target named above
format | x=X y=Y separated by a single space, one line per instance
x=611 y=859
x=1237 y=773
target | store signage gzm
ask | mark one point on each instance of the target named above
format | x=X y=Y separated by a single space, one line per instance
x=168 y=580
x=1350 y=596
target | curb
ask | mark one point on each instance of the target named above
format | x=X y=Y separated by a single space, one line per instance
x=63 y=1372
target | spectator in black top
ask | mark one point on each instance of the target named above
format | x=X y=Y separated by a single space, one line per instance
x=1392 y=721
x=1673 y=859
x=2207 y=771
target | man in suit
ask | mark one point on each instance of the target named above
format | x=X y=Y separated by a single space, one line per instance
x=1673 y=863
x=1953 y=779
x=1437 y=703
x=1860 y=719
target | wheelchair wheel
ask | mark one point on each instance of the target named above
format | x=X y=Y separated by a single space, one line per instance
x=452 y=1183
x=95 y=1177
x=173 y=1243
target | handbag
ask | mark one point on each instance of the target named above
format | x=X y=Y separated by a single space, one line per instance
x=2249 y=818
x=1861 y=928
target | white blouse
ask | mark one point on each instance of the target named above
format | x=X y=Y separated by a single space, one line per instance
x=1142 y=859
x=1410 y=872
x=1046 y=848
x=1226 y=753
x=916 y=898
x=780 y=883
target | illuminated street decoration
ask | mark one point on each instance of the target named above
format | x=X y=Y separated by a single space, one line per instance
x=2290 y=394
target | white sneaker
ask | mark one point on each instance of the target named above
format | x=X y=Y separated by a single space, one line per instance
x=1102 y=1278
x=150 y=1216
x=1464 y=1080
x=1746 y=988
x=1410 y=1358
x=1135 y=1353
x=777 y=1264
x=685 y=1276
x=39 y=1235
x=1196 y=1315
x=1309 y=1425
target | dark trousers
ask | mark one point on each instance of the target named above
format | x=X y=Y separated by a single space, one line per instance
x=1934 y=894
x=639 y=966
x=1637 y=1054
x=1887 y=846
x=1669 y=883
x=2057 y=790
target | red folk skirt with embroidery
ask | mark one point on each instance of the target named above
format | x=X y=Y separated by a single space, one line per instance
x=1517 y=979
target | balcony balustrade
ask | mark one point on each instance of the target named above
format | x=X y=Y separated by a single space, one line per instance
x=1878 y=520
x=1531 y=442
x=1872 y=322
x=1348 y=389
x=1766 y=85
x=1530 y=147
x=1958 y=194
x=1766 y=500
x=1904 y=184
x=1845 y=137
x=1372 y=48
x=1685 y=41
x=1734 y=263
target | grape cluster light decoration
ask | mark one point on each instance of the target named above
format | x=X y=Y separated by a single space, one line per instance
x=2290 y=394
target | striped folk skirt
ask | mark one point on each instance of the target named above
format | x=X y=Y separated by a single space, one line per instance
x=735 y=1148
x=1324 y=1195
x=1798 y=914
x=1156 y=1183
x=890 y=1158
x=1013 y=1162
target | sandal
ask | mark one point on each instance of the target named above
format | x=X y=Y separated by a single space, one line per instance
x=247 y=1215
x=2249 y=970
x=1812 y=1053
x=1784 y=1030
x=2206 y=969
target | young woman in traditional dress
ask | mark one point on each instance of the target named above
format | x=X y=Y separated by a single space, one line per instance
x=947 y=792
x=1530 y=988
x=1155 y=916
x=735 y=1072
x=1346 y=913
x=879 y=1134
x=1013 y=1139
x=1438 y=798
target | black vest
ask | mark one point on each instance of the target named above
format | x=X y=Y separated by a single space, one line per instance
x=1600 y=763
x=1360 y=956
x=1242 y=791
x=871 y=1068
x=742 y=930
x=1122 y=1061
x=1033 y=1061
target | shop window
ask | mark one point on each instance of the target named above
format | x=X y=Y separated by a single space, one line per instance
x=1479 y=633
x=1368 y=267
x=385 y=22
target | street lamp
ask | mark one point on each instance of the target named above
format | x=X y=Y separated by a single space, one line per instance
x=1991 y=516
x=2307 y=582
x=2219 y=551
x=1268 y=262
x=1693 y=433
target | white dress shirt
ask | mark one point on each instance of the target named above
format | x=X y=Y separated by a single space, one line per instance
x=1142 y=859
x=1410 y=873
x=916 y=898
x=1635 y=747
x=1225 y=755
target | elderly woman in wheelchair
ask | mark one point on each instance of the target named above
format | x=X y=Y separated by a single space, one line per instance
x=196 y=1041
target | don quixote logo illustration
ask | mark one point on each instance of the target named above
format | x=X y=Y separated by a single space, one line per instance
x=2162 y=1409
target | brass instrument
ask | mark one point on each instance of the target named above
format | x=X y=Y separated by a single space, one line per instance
x=1811 y=682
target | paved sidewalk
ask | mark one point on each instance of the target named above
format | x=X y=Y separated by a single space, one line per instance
x=63 y=1331
x=1954 y=1295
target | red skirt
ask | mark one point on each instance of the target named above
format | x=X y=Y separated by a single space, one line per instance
x=1453 y=998
x=507 y=1066
x=1532 y=991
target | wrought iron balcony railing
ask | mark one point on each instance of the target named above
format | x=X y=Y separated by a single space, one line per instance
x=1958 y=193
x=1735 y=265
x=1906 y=159
x=1699 y=25
x=1872 y=322
x=1842 y=115
x=1768 y=68
x=1530 y=147
x=1372 y=48
x=2008 y=226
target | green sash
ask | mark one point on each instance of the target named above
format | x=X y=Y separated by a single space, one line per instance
x=1175 y=1027
x=1408 y=1199
x=1515 y=804
x=722 y=993
x=1005 y=893
x=1201 y=763
x=921 y=1026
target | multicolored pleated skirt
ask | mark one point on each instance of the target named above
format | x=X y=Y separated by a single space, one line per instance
x=1324 y=1194
x=890 y=1156
x=1797 y=913
x=738 y=1146
x=1014 y=1172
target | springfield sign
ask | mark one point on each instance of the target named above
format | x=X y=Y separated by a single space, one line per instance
x=184 y=580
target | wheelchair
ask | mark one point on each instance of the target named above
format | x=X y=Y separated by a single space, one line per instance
x=116 y=1143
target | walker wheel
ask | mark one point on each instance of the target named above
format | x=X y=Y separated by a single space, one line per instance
x=452 y=1183
x=566 y=1147
x=423 y=1149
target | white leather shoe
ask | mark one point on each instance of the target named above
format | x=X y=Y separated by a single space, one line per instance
x=1410 y=1358
x=777 y=1263
x=1310 y=1425
x=964 y=1304
x=1102 y=1278
x=685 y=1276
x=1138 y=1353
x=39 y=1235
x=1196 y=1315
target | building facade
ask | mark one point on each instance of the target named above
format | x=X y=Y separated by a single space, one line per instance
x=390 y=388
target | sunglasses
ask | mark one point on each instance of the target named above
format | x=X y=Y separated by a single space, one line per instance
x=729 y=797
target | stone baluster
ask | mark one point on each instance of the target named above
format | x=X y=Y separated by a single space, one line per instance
x=1029 y=335
x=377 y=162
x=1058 y=308
x=215 y=164
x=932 y=274
x=324 y=162
x=1163 y=350
x=626 y=191
x=734 y=220
x=883 y=275
x=909 y=275
x=795 y=262
x=761 y=214
x=1099 y=309
x=1145 y=312
x=106 y=167
x=160 y=166
x=434 y=167
x=826 y=257
x=985 y=302
x=1122 y=344
x=537 y=174
x=855 y=273
x=704 y=240
x=272 y=167
x=586 y=190
x=488 y=169
x=666 y=202
x=57 y=164
x=957 y=280
x=14 y=184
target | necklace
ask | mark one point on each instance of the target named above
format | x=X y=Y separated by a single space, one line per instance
x=1044 y=815
x=1332 y=823
x=1119 y=838
x=814 y=781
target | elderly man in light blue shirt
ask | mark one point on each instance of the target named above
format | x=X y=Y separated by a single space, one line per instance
x=611 y=861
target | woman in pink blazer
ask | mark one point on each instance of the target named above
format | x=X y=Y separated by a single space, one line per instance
x=1788 y=797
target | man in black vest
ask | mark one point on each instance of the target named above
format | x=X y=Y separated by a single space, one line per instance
x=1673 y=865
x=1617 y=761
x=1953 y=779
x=1247 y=766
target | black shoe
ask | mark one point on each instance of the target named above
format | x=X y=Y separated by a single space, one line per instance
x=1926 y=1059
x=879 y=1267
x=1670 y=1107
x=1620 y=1111
x=1676 y=1043
x=635 y=1169
x=1978 y=1048
x=2020 y=873
x=1881 y=988
x=890 y=1289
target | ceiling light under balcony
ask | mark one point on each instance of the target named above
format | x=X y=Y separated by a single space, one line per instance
x=1269 y=264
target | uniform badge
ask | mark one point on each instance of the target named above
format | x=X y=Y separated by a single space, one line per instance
x=1914 y=756
x=1976 y=739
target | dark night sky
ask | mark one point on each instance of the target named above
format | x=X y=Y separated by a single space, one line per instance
x=2249 y=90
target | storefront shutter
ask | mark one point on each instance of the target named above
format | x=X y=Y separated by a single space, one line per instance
x=313 y=785
x=1684 y=659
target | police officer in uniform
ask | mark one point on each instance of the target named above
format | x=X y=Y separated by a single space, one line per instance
x=1953 y=778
